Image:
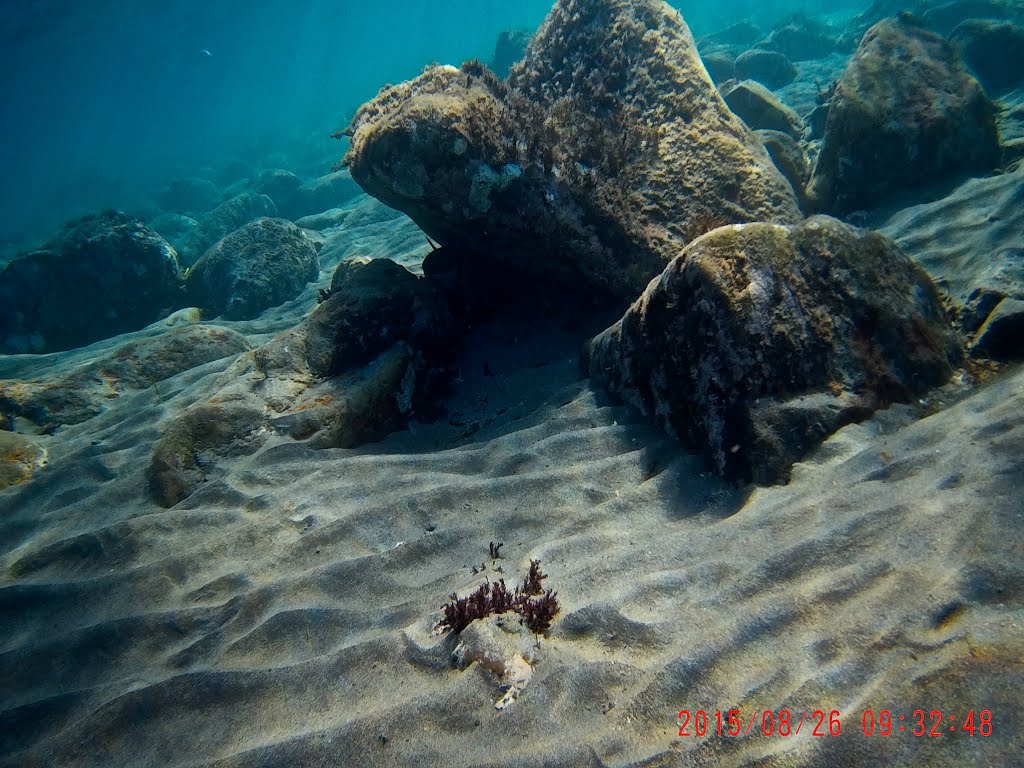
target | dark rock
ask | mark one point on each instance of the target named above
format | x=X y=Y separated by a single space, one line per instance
x=993 y=50
x=509 y=49
x=263 y=264
x=759 y=340
x=174 y=228
x=905 y=113
x=105 y=274
x=89 y=389
x=760 y=109
x=223 y=220
x=191 y=196
x=740 y=33
x=977 y=308
x=802 y=39
x=945 y=17
x=816 y=121
x=604 y=153
x=769 y=68
x=1002 y=335
x=720 y=66
x=788 y=157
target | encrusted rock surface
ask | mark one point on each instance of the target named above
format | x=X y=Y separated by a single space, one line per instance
x=261 y=265
x=906 y=112
x=607 y=150
x=759 y=340
x=223 y=220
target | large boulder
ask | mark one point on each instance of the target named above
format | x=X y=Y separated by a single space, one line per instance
x=223 y=220
x=607 y=150
x=264 y=264
x=759 y=340
x=906 y=112
x=105 y=274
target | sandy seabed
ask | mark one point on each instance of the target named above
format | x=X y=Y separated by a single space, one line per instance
x=285 y=614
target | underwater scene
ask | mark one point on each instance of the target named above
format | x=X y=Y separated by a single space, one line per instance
x=545 y=384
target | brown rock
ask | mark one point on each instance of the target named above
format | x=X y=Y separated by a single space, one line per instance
x=605 y=153
x=759 y=340
x=905 y=113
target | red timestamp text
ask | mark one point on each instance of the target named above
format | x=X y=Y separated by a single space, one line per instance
x=919 y=722
x=767 y=722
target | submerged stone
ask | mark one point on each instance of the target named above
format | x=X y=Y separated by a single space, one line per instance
x=261 y=265
x=105 y=274
x=905 y=113
x=351 y=372
x=760 y=340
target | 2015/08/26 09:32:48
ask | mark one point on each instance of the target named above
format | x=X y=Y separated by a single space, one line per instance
x=919 y=722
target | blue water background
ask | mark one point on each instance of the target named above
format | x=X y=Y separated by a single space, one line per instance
x=105 y=101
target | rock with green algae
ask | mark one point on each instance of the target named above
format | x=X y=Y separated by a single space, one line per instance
x=905 y=113
x=605 y=151
x=20 y=457
x=351 y=372
x=760 y=340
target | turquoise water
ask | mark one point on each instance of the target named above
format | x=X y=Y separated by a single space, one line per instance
x=105 y=102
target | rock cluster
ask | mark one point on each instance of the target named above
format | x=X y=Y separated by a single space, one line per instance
x=604 y=153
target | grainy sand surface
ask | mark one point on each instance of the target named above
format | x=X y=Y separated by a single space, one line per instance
x=284 y=614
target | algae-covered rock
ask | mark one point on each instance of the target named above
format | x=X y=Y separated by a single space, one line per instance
x=193 y=443
x=103 y=275
x=606 y=151
x=906 y=112
x=223 y=220
x=263 y=264
x=770 y=68
x=788 y=156
x=759 y=340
